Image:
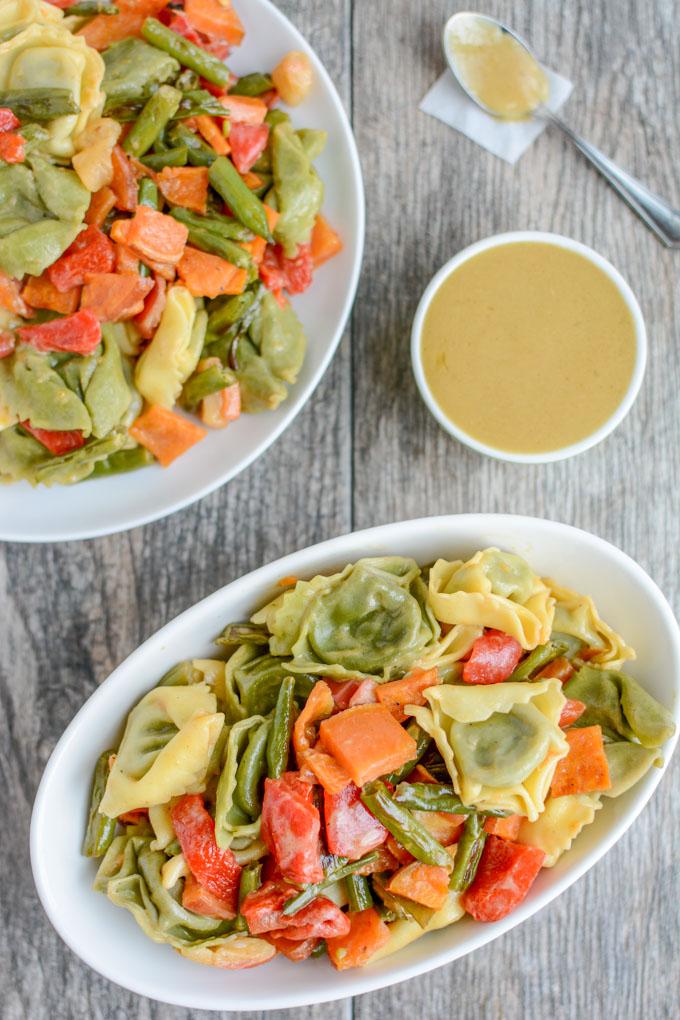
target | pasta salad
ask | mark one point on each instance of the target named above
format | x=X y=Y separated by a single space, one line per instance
x=156 y=213
x=375 y=754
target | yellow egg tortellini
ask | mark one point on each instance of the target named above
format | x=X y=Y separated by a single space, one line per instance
x=559 y=824
x=16 y=15
x=576 y=615
x=166 y=749
x=173 y=353
x=500 y=742
x=49 y=56
x=494 y=589
x=404 y=932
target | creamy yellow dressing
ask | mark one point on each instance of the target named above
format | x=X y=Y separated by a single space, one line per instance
x=497 y=69
x=528 y=347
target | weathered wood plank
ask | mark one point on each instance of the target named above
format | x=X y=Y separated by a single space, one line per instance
x=70 y=613
x=608 y=947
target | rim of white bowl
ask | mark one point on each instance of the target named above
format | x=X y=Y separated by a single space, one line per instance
x=343 y=546
x=559 y=241
x=141 y=519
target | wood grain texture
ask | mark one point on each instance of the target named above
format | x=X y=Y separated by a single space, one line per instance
x=365 y=451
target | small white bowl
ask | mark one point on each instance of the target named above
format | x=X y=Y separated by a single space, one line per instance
x=108 y=939
x=535 y=236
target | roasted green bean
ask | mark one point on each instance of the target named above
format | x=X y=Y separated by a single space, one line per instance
x=252 y=85
x=423 y=741
x=148 y=193
x=211 y=239
x=243 y=633
x=540 y=657
x=435 y=797
x=188 y=54
x=246 y=207
x=89 y=8
x=202 y=384
x=122 y=461
x=152 y=120
x=282 y=728
x=225 y=226
x=251 y=770
x=169 y=157
x=100 y=829
x=251 y=880
x=468 y=853
x=233 y=309
x=405 y=828
x=358 y=893
x=39 y=103
x=339 y=870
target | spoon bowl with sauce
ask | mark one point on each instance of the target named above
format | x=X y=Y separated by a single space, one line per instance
x=499 y=72
x=528 y=347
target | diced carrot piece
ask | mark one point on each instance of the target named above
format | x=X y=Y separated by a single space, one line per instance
x=127 y=261
x=206 y=275
x=560 y=669
x=293 y=77
x=325 y=241
x=255 y=249
x=153 y=235
x=331 y=776
x=443 y=825
x=134 y=817
x=399 y=852
x=114 y=297
x=101 y=204
x=199 y=900
x=251 y=179
x=219 y=409
x=585 y=768
x=367 y=741
x=10 y=296
x=185 y=185
x=508 y=827
x=124 y=181
x=505 y=874
x=165 y=434
x=407 y=691
x=148 y=319
x=319 y=705
x=213 y=135
x=367 y=934
x=215 y=19
x=573 y=710
x=423 y=883
x=273 y=216
x=244 y=109
x=40 y=292
x=105 y=29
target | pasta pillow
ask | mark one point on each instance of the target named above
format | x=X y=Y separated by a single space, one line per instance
x=49 y=56
x=559 y=824
x=500 y=742
x=15 y=15
x=370 y=619
x=494 y=589
x=576 y=615
x=166 y=749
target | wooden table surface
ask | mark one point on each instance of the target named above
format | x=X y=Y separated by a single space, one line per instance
x=365 y=451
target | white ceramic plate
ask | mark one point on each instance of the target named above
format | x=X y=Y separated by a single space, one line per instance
x=105 y=505
x=107 y=937
x=531 y=237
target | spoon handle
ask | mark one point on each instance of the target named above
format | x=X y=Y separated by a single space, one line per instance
x=658 y=214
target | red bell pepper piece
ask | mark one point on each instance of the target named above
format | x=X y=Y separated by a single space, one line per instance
x=248 y=142
x=572 y=711
x=505 y=874
x=58 y=443
x=493 y=658
x=290 y=828
x=277 y=271
x=351 y=829
x=12 y=147
x=215 y=869
x=7 y=344
x=263 y=910
x=342 y=691
x=79 y=333
x=197 y=898
x=291 y=949
x=8 y=119
x=91 y=252
x=559 y=669
x=148 y=319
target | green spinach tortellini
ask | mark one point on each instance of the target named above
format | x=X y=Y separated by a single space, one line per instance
x=166 y=749
x=371 y=619
x=577 y=616
x=298 y=188
x=279 y=337
x=494 y=589
x=231 y=821
x=617 y=703
x=500 y=742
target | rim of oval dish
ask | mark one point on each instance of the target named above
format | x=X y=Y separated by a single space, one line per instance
x=14 y=527
x=460 y=529
x=559 y=241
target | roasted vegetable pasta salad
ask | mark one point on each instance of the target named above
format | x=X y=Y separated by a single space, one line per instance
x=156 y=212
x=375 y=754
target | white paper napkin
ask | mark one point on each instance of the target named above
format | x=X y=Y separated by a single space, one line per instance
x=447 y=101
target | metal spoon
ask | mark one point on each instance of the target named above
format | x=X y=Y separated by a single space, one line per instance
x=658 y=214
